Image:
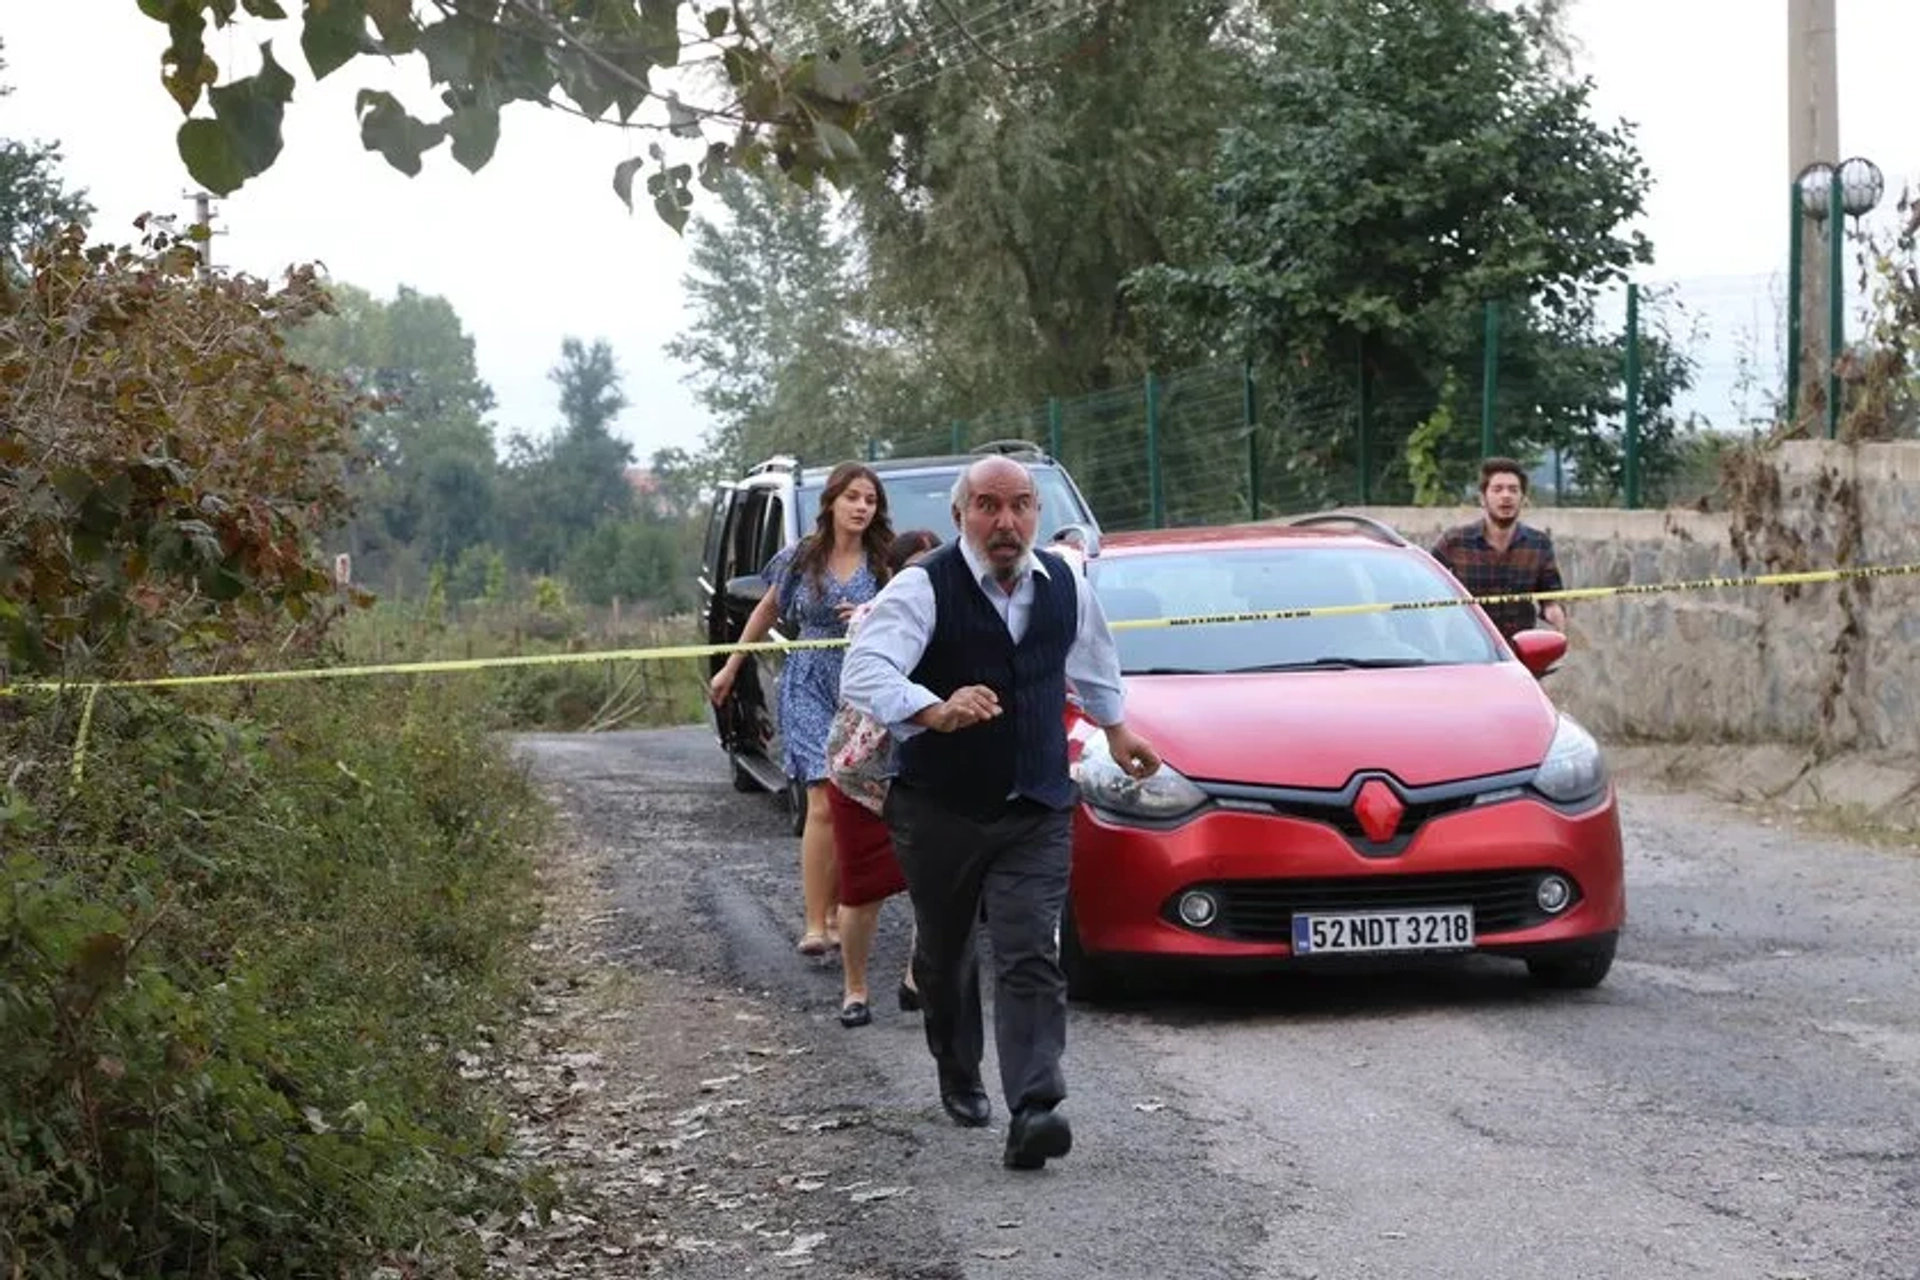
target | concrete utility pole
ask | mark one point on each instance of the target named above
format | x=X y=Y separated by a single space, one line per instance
x=1813 y=134
x=203 y=216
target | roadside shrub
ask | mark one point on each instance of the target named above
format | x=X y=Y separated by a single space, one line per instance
x=247 y=965
x=251 y=941
x=164 y=463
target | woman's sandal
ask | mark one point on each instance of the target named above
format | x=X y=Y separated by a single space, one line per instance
x=909 y=999
x=854 y=1013
x=814 y=944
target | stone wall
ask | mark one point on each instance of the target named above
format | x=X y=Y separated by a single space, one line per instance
x=1833 y=667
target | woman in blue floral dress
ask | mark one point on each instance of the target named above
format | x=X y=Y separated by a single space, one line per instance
x=818 y=582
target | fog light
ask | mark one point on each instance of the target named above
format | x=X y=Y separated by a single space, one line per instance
x=1197 y=909
x=1553 y=894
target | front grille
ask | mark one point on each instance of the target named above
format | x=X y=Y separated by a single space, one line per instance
x=1335 y=808
x=1263 y=910
x=1340 y=816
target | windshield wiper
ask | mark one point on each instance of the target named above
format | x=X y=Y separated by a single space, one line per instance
x=1337 y=664
x=1315 y=664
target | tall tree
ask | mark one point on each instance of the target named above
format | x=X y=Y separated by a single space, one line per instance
x=1404 y=162
x=1013 y=194
x=425 y=468
x=558 y=489
x=780 y=351
x=415 y=353
x=35 y=202
x=590 y=393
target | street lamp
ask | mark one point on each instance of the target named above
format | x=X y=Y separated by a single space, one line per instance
x=1827 y=193
x=1861 y=186
x=1815 y=185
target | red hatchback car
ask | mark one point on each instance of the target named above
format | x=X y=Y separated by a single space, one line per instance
x=1352 y=785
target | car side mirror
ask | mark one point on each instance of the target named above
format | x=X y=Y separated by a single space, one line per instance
x=745 y=590
x=1538 y=648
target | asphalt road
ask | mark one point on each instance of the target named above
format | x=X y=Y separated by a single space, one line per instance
x=1740 y=1100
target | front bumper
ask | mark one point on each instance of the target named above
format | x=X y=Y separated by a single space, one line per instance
x=1262 y=868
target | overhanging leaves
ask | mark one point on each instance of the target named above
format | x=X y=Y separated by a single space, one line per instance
x=623 y=175
x=334 y=34
x=584 y=82
x=474 y=128
x=394 y=20
x=243 y=138
x=452 y=49
x=386 y=127
x=185 y=68
x=210 y=157
x=660 y=24
x=682 y=121
x=485 y=55
x=672 y=199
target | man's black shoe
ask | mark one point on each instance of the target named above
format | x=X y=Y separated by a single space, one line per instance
x=965 y=1101
x=1037 y=1135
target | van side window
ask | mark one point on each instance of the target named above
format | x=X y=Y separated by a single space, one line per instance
x=743 y=533
x=710 y=558
x=773 y=531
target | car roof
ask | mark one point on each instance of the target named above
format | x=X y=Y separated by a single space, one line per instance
x=1337 y=531
x=785 y=466
x=945 y=462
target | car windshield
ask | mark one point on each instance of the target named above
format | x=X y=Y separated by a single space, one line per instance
x=1193 y=583
x=925 y=501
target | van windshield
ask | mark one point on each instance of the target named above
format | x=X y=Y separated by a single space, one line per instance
x=925 y=501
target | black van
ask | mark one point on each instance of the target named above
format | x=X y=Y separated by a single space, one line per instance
x=772 y=507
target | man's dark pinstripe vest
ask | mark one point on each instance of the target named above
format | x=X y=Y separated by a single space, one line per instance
x=1023 y=750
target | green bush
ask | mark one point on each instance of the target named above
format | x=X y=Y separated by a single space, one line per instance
x=241 y=964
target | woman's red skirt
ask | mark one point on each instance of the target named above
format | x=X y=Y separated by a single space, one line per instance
x=869 y=871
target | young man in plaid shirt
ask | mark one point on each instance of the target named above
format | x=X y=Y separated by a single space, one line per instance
x=1497 y=555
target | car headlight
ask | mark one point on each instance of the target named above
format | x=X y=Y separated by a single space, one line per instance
x=1105 y=785
x=1574 y=768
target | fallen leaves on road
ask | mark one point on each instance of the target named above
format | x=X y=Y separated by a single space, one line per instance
x=659 y=1117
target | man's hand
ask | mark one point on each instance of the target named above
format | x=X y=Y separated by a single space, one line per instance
x=964 y=708
x=1132 y=752
x=1554 y=616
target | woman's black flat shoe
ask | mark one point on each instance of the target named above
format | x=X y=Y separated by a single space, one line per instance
x=855 y=1014
x=909 y=999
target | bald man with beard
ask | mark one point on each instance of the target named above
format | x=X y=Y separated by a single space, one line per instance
x=966 y=657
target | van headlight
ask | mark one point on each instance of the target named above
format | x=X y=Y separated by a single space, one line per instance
x=1574 y=768
x=1106 y=786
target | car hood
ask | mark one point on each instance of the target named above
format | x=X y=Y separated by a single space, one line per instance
x=1315 y=729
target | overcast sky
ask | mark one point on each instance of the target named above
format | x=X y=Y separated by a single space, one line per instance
x=537 y=246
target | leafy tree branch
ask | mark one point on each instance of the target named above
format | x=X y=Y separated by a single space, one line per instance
x=594 y=60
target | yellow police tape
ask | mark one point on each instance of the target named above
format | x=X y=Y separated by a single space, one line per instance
x=666 y=653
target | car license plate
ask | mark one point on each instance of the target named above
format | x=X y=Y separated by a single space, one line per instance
x=1428 y=929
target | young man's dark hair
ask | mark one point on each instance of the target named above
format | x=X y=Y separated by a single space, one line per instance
x=1502 y=467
